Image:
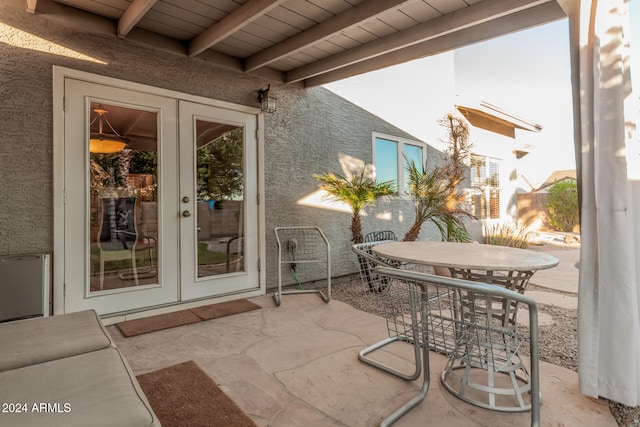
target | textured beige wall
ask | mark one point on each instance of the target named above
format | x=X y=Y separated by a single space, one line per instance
x=310 y=133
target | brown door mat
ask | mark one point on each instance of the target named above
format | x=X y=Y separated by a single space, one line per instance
x=146 y=325
x=213 y=311
x=184 y=395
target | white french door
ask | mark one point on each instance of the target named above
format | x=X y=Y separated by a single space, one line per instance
x=160 y=199
x=218 y=201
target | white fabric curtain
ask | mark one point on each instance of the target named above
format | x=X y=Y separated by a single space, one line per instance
x=609 y=174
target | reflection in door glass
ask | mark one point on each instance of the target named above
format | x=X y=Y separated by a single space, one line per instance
x=220 y=194
x=123 y=156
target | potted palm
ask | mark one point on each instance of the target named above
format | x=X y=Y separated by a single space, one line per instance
x=435 y=199
x=436 y=195
x=358 y=192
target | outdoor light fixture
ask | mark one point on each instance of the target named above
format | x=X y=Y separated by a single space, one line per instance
x=267 y=103
x=105 y=143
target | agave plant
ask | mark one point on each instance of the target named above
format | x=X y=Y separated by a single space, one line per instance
x=358 y=192
x=437 y=200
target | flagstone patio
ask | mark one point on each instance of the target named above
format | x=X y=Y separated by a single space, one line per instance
x=297 y=365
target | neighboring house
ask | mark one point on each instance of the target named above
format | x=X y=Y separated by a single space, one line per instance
x=498 y=145
x=554 y=178
x=500 y=140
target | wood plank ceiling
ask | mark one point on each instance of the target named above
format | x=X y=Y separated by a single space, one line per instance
x=313 y=42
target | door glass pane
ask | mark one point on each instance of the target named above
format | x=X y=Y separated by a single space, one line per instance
x=220 y=194
x=123 y=156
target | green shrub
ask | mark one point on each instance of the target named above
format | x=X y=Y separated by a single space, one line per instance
x=562 y=205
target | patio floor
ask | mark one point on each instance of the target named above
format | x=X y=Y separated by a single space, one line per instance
x=297 y=365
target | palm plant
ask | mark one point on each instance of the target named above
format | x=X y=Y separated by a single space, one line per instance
x=358 y=192
x=436 y=199
x=436 y=195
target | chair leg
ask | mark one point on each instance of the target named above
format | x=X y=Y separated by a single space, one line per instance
x=404 y=409
x=101 y=271
x=362 y=356
x=135 y=268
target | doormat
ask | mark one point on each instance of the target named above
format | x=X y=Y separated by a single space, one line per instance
x=213 y=311
x=184 y=395
x=131 y=328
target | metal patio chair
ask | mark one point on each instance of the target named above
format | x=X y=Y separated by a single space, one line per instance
x=376 y=236
x=118 y=235
x=367 y=261
x=476 y=312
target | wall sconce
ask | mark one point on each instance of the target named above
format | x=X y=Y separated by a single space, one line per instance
x=267 y=102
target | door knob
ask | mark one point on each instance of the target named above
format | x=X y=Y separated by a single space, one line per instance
x=186 y=214
x=185 y=199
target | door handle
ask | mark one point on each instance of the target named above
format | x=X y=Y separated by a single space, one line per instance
x=186 y=214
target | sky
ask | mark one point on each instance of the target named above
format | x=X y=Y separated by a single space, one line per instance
x=525 y=73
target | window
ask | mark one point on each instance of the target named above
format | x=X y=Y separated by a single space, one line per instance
x=391 y=155
x=485 y=187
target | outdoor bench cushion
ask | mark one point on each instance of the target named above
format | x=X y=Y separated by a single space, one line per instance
x=91 y=389
x=32 y=341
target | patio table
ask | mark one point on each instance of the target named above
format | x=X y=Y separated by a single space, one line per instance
x=466 y=257
x=496 y=265
x=508 y=267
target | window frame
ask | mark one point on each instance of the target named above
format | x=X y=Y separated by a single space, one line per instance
x=486 y=188
x=401 y=142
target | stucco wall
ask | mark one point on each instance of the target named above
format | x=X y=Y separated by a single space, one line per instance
x=315 y=131
x=310 y=132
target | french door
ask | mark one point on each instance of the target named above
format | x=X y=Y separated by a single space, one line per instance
x=160 y=199
x=218 y=201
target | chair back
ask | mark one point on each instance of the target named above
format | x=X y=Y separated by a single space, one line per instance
x=118 y=223
x=367 y=261
x=377 y=236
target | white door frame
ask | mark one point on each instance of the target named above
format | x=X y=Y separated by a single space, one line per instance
x=59 y=76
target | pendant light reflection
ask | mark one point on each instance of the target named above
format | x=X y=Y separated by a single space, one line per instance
x=105 y=143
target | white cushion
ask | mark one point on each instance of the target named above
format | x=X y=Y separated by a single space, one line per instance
x=92 y=389
x=32 y=341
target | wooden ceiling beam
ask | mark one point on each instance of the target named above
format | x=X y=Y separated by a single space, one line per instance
x=478 y=13
x=353 y=16
x=134 y=13
x=231 y=23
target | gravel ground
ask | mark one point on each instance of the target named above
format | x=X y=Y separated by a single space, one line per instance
x=558 y=341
